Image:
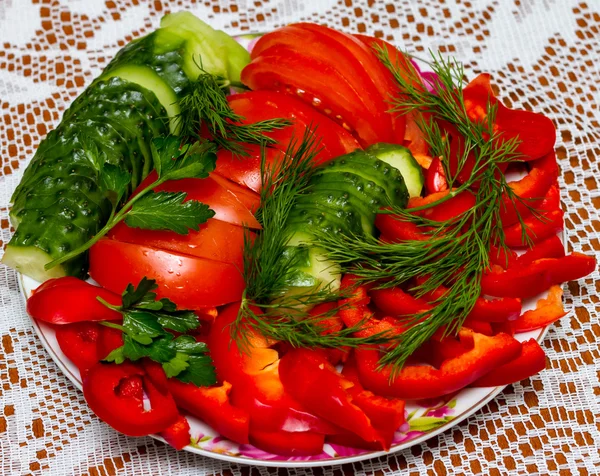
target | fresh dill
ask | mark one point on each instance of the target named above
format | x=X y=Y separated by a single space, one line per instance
x=205 y=104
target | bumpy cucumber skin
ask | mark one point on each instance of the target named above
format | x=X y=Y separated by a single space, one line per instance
x=401 y=158
x=59 y=204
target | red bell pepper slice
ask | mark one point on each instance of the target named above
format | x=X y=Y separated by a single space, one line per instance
x=79 y=342
x=435 y=180
x=422 y=381
x=287 y=443
x=537 y=229
x=398 y=303
x=178 y=434
x=530 y=361
x=67 y=300
x=535 y=132
x=550 y=248
x=528 y=281
x=254 y=376
x=503 y=257
x=315 y=383
x=395 y=229
x=530 y=190
x=547 y=311
x=109 y=340
x=212 y=405
x=115 y=394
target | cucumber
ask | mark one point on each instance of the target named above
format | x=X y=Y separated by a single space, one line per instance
x=343 y=196
x=402 y=159
x=59 y=203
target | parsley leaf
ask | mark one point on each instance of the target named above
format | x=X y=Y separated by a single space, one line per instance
x=174 y=161
x=141 y=325
x=178 y=321
x=115 y=181
x=168 y=211
x=137 y=296
x=200 y=371
x=176 y=365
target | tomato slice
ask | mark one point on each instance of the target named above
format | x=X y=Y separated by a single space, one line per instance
x=245 y=170
x=190 y=282
x=315 y=82
x=250 y=199
x=216 y=240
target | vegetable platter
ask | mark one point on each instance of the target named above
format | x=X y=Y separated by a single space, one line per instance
x=310 y=249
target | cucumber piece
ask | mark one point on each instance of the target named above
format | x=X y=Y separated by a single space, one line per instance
x=402 y=159
x=148 y=79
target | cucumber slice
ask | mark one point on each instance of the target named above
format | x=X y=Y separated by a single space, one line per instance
x=148 y=79
x=30 y=261
x=401 y=158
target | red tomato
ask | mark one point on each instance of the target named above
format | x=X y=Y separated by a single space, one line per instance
x=246 y=170
x=190 y=282
x=249 y=198
x=216 y=240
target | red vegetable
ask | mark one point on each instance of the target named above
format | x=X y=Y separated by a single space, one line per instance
x=436 y=177
x=422 y=381
x=178 y=434
x=528 y=362
x=67 y=300
x=79 y=342
x=537 y=229
x=550 y=248
x=314 y=382
x=536 y=277
x=190 y=282
x=548 y=310
x=115 y=394
x=212 y=405
x=288 y=443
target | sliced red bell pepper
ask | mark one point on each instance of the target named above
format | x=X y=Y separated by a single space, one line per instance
x=536 y=277
x=254 y=376
x=439 y=349
x=67 y=300
x=287 y=443
x=528 y=362
x=115 y=393
x=109 y=340
x=535 y=132
x=435 y=180
x=212 y=405
x=530 y=190
x=548 y=310
x=397 y=303
x=178 y=434
x=503 y=257
x=79 y=342
x=549 y=248
x=309 y=377
x=422 y=381
x=481 y=327
x=537 y=229
x=395 y=229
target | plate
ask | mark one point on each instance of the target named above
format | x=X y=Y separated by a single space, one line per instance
x=423 y=420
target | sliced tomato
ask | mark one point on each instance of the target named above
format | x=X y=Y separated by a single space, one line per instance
x=216 y=240
x=190 y=282
x=249 y=198
x=226 y=205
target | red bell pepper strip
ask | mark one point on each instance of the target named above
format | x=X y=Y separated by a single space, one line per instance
x=397 y=303
x=422 y=381
x=535 y=132
x=528 y=281
x=109 y=340
x=386 y=414
x=537 y=229
x=287 y=443
x=315 y=383
x=254 y=376
x=481 y=327
x=530 y=190
x=435 y=180
x=503 y=257
x=115 y=394
x=528 y=362
x=79 y=342
x=395 y=229
x=178 y=434
x=437 y=350
x=549 y=248
x=548 y=310
x=212 y=405
x=67 y=300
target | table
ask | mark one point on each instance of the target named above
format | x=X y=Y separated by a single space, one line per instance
x=541 y=54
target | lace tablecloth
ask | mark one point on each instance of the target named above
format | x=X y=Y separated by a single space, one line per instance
x=542 y=54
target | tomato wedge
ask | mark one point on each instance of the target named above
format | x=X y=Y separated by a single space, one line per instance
x=216 y=240
x=190 y=282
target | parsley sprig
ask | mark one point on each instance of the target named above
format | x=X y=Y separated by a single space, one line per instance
x=156 y=210
x=146 y=327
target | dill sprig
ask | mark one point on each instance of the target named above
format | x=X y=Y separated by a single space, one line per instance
x=205 y=103
x=270 y=305
x=457 y=252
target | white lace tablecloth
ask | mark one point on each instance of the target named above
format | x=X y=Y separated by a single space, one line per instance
x=542 y=54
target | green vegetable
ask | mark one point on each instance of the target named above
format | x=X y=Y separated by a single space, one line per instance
x=146 y=322
x=64 y=199
x=402 y=159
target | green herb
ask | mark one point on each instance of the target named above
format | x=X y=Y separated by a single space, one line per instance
x=458 y=249
x=156 y=210
x=205 y=104
x=146 y=322
x=269 y=304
